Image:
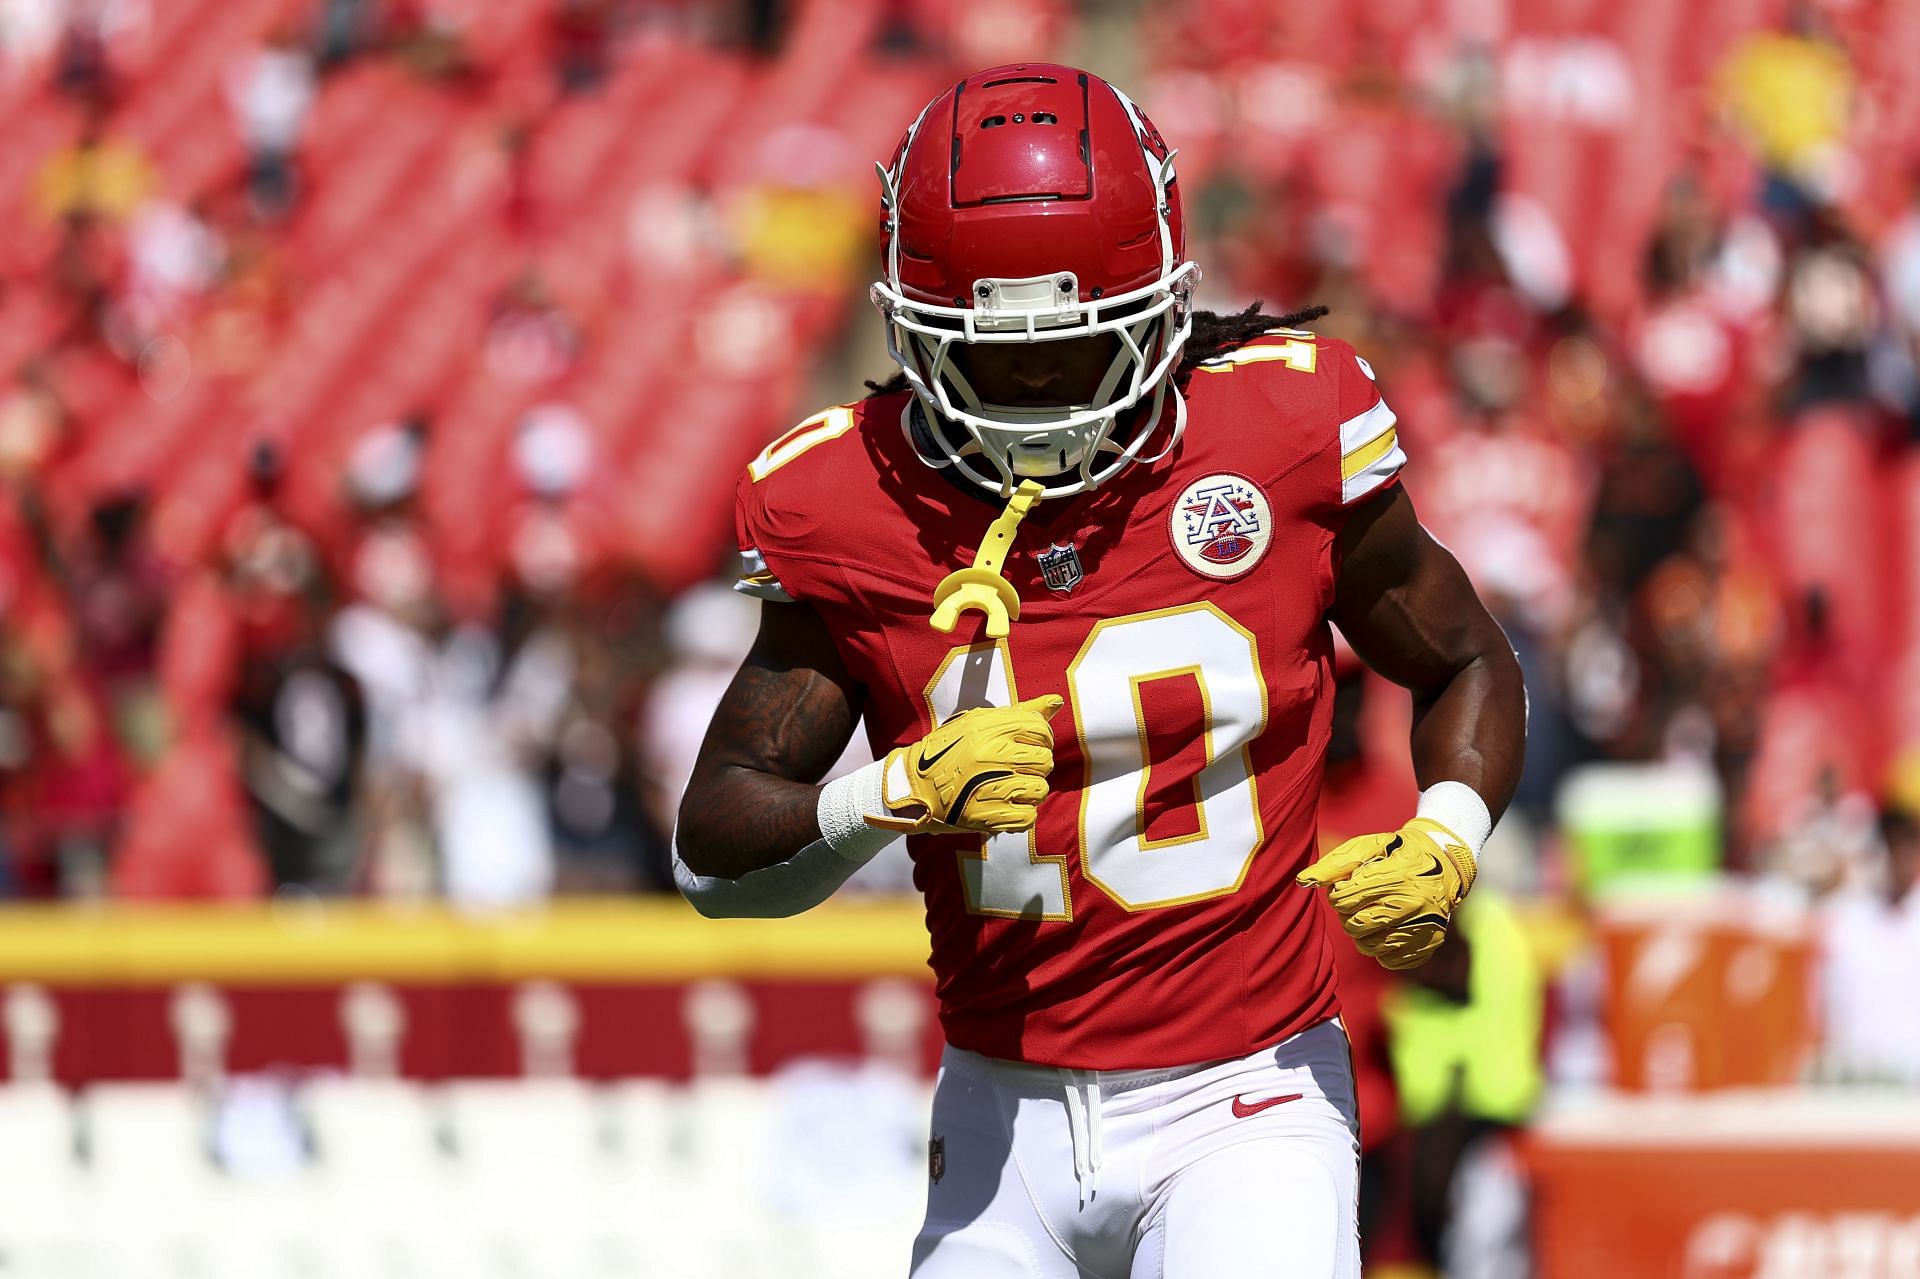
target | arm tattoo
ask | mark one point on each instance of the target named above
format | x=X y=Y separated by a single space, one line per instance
x=784 y=720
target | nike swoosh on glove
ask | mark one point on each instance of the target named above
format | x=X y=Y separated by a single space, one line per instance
x=1396 y=893
x=983 y=770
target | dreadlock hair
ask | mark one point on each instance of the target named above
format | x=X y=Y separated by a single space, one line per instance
x=1213 y=334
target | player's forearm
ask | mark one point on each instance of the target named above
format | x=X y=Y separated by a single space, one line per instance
x=1472 y=728
x=753 y=801
x=735 y=820
x=768 y=877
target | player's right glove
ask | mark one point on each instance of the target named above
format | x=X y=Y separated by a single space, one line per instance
x=983 y=770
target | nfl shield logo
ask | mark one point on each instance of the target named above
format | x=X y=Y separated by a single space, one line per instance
x=937 y=1158
x=1060 y=568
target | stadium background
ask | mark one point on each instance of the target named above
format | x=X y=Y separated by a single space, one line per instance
x=373 y=374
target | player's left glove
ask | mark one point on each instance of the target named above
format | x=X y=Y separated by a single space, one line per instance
x=1396 y=893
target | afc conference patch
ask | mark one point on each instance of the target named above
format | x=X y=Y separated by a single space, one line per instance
x=1060 y=568
x=937 y=1158
x=1221 y=525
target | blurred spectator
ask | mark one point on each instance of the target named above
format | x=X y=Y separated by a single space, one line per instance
x=1871 y=946
x=798 y=226
x=484 y=718
x=1830 y=845
x=1648 y=496
x=530 y=338
x=430 y=40
x=1692 y=342
x=1899 y=375
x=118 y=588
x=33 y=422
x=28 y=33
x=605 y=840
x=1791 y=90
x=173 y=258
x=346 y=27
x=762 y=25
x=899 y=29
x=96 y=177
x=249 y=304
x=1832 y=314
x=581 y=35
x=383 y=638
x=270 y=92
x=83 y=67
x=1466 y=1055
x=300 y=716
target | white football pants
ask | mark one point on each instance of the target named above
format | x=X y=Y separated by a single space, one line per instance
x=1235 y=1168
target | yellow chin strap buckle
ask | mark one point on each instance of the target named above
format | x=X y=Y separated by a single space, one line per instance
x=980 y=585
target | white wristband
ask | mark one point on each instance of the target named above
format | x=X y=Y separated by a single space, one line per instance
x=1460 y=809
x=845 y=803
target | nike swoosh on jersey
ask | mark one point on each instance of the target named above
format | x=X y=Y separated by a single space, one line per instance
x=1246 y=1109
x=928 y=761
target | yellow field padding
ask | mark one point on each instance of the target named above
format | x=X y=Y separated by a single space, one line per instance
x=584 y=940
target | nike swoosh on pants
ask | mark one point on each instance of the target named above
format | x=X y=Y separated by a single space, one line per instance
x=1247 y=1109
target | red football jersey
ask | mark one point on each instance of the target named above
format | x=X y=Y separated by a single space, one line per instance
x=1151 y=917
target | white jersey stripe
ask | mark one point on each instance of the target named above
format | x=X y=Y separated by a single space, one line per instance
x=1382 y=469
x=757 y=580
x=1358 y=432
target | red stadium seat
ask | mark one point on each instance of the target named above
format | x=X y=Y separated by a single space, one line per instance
x=1825 y=529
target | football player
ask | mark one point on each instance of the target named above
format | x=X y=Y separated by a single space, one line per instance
x=1076 y=567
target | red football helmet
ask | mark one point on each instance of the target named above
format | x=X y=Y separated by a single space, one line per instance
x=1035 y=203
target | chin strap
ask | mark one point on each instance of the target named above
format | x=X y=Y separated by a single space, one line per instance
x=980 y=585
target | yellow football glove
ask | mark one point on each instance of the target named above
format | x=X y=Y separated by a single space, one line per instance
x=1396 y=893
x=983 y=770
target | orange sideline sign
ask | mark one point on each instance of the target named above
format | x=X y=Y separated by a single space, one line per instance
x=1746 y=1186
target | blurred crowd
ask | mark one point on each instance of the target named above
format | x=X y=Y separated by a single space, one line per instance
x=368 y=411
x=1639 y=280
x=1644 y=288
x=1617 y=365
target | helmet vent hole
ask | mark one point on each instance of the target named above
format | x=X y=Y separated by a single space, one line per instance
x=993 y=122
x=1020 y=79
x=1045 y=117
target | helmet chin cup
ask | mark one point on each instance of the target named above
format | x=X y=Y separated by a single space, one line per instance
x=1042 y=454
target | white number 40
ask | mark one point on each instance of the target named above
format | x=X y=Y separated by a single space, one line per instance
x=1009 y=876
